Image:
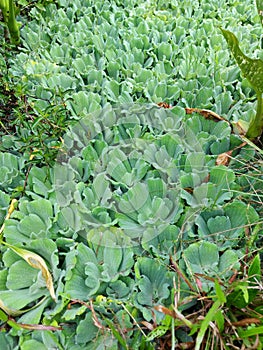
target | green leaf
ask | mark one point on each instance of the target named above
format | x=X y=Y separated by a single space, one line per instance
x=12 y=301
x=72 y=216
x=42 y=208
x=219 y=293
x=218 y=230
x=165 y=50
x=10 y=175
x=4 y=204
x=113 y=69
x=194 y=162
x=32 y=344
x=134 y=199
x=82 y=279
x=86 y=330
x=73 y=312
x=202 y=257
x=210 y=316
x=252 y=69
x=254 y=270
x=95 y=76
x=38 y=180
x=112 y=261
x=50 y=340
x=239 y=298
x=20 y=275
x=250 y=332
x=160 y=91
x=222 y=177
x=112 y=88
x=254 y=277
x=153 y=283
x=157 y=332
x=144 y=75
x=228 y=261
x=93 y=277
x=220 y=320
x=30 y=224
x=7 y=342
x=119 y=289
x=34 y=316
x=3 y=316
x=157 y=188
x=223 y=102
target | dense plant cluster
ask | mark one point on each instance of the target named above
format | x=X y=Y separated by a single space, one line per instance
x=125 y=219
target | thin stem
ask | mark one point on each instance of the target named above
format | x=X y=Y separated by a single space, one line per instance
x=173 y=335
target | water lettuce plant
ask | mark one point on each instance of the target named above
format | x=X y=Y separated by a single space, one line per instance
x=128 y=231
x=125 y=199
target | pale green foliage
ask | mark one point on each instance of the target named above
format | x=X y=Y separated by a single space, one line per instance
x=136 y=222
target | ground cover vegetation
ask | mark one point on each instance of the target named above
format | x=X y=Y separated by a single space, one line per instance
x=131 y=204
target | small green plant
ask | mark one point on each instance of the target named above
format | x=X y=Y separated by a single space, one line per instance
x=252 y=69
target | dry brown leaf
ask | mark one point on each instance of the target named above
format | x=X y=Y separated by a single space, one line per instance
x=165 y=310
x=148 y=325
x=164 y=105
x=207 y=114
x=246 y=322
x=223 y=158
x=186 y=346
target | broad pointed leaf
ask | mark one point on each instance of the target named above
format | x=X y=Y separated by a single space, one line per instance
x=252 y=69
